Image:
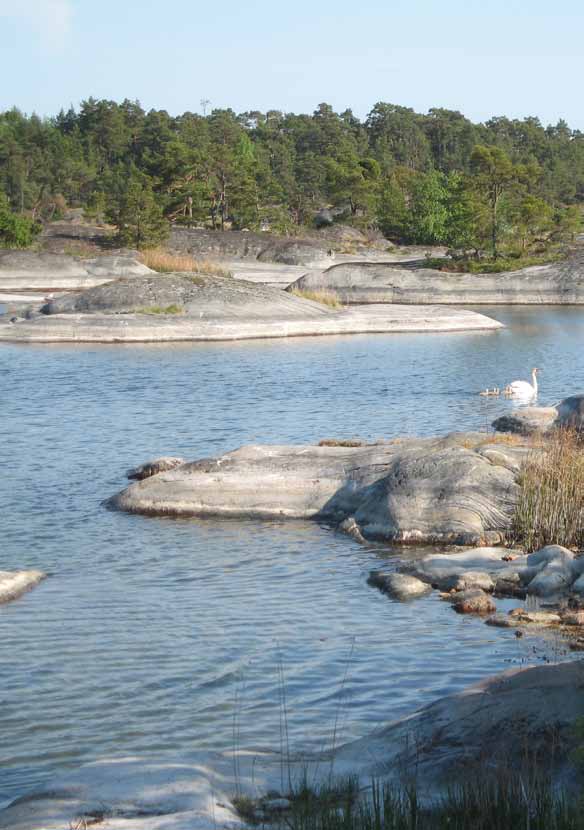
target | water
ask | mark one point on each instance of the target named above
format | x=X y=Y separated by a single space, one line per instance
x=158 y=636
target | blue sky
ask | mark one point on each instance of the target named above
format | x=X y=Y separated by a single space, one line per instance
x=496 y=57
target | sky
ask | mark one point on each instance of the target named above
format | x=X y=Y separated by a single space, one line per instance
x=496 y=57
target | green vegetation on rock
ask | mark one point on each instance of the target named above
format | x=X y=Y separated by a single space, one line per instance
x=16 y=231
x=156 y=309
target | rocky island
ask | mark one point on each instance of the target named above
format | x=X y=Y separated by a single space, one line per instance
x=175 y=307
x=556 y=283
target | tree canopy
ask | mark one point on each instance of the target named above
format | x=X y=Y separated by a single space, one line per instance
x=427 y=178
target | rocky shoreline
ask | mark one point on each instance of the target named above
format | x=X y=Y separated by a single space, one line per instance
x=198 y=307
x=557 y=283
x=481 y=731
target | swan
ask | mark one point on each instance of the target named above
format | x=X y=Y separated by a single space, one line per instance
x=523 y=389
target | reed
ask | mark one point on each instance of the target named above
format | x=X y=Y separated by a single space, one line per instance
x=550 y=507
x=503 y=803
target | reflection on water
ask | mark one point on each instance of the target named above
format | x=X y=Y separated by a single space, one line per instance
x=149 y=630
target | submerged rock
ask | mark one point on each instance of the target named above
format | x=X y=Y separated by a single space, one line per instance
x=15 y=583
x=473 y=601
x=410 y=491
x=397 y=585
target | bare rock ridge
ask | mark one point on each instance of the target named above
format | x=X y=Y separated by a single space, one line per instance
x=459 y=489
x=411 y=283
x=174 y=307
x=29 y=270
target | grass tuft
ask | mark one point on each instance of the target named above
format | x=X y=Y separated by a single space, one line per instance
x=166 y=263
x=550 y=508
x=156 y=309
x=322 y=297
x=507 y=802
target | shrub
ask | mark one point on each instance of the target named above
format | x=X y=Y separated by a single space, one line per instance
x=16 y=231
x=550 y=507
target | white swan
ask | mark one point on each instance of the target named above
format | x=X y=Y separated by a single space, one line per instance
x=523 y=389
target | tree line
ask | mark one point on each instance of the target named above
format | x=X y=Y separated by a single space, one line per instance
x=504 y=186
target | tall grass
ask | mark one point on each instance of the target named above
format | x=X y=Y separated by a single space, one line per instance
x=165 y=263
x=322 y=297
x=504 y=803
x=550 y=507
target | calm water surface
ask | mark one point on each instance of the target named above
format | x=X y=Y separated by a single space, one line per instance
x=155 y=636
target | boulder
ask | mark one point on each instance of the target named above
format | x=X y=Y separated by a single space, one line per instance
x=152 y=468
x=410 y=491
x=15 y=583
x=473 y=601
x=397 y=585
x=553 y=567
x=484 y=566
x=532 y=420
x=468 y=580
x=571 y=413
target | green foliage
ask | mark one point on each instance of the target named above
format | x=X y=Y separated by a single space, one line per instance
x=135 y=211
x=506 y=801
x=507 y=185
x=15 y=231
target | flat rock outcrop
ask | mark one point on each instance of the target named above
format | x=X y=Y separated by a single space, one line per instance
x=29 y=270
x=172 y=307
x=15 y=583
x=412 y=283
x=459 y=489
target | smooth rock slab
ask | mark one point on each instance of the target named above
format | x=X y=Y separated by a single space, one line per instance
x=15 y=583
x=28 y=270
x=410 y=491
x=368 y=282
x=216 y=321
